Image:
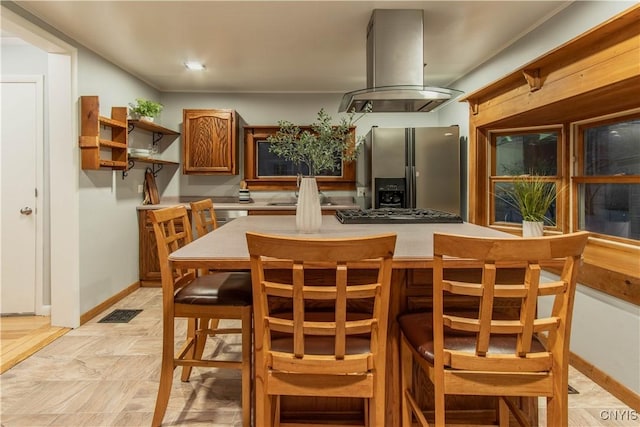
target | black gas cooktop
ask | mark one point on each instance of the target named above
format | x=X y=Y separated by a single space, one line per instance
x=395 y=216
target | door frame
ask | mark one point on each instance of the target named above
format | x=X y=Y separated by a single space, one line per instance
x=61 y=117
x=39 y=306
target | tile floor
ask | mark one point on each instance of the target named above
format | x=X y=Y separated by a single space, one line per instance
x=103 y=374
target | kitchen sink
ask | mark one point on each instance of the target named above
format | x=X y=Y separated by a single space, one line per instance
x=294 y=203
x=282 y=203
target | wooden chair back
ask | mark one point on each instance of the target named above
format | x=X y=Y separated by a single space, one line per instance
x=501 y=348
x=204 y=216
x=307 y=349
x=172 y=231
x=495 y=254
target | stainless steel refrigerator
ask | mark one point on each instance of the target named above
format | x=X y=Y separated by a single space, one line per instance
x=414 y=168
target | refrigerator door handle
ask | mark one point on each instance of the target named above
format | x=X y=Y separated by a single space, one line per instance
x=410 y=174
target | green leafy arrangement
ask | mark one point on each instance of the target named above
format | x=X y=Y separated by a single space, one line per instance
x=532 y=195
x=146 y=108
x=323 y=148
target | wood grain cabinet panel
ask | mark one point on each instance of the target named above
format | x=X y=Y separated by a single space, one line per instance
x=209 y=142
x=148 y=262
x=148 y=252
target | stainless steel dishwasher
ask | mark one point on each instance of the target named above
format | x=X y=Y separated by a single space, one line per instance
x=223 y=216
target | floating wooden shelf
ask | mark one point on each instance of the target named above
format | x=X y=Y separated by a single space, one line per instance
x=152 y=127
x=156 y=164
x=158 y=133
x=150 y=160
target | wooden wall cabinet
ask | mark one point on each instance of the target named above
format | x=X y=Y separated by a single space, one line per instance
x=209 y=142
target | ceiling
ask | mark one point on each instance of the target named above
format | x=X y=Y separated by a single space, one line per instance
x=281 y=46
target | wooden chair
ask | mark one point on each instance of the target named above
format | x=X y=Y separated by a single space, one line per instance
x=184 y=294
x=305 y=351
x=204 y=216
x=480 y=352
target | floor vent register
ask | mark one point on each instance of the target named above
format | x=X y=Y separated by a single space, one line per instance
x=120 y=316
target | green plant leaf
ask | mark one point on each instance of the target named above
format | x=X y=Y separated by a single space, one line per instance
x=532 y=195
x=323 y=148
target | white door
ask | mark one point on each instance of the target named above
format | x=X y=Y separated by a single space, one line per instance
x=21 y=137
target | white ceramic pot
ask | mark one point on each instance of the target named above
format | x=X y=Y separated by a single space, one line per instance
x=146 y=118
x=308 y=211
x=532 y=228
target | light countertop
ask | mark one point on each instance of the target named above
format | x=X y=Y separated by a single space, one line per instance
x=414 y=247
x=268 y=203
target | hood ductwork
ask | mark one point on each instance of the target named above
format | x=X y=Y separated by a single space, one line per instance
x=395 y=63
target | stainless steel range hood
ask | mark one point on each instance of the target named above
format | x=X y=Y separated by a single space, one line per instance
x=395 y=63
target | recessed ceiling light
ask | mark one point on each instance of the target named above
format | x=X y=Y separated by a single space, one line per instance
x=448 y=134
x=193 y=65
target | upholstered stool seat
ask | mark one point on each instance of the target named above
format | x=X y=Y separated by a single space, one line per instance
x=217 y=289
x=418 y=330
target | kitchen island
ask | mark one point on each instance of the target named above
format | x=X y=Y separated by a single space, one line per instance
x=226 y=249
x=227 y=208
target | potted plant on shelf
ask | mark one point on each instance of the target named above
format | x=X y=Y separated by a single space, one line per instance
x=323 y=148
x=532 y=195
x=145 y=109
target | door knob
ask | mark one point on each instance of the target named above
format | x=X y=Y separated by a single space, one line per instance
x=26 y=211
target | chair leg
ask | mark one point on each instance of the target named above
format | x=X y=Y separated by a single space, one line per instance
x=503 y=412
x=557 y=413
x=377 y=404
x=213 y=325
x=406 y=368
x=192 y=329
x=246 y=366
x=166 y=371
x=367 y=416
x=438 y=386
x=558 y=404
x=275 y=410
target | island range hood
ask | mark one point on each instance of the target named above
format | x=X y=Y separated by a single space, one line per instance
x=395 y=63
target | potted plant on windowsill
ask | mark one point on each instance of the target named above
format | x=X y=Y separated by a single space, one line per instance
x=322 y=149
x=532 y=195
x=145 y=109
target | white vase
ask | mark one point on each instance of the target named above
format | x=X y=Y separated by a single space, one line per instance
x=147 y=118
x=308 y=212
x=532 y=228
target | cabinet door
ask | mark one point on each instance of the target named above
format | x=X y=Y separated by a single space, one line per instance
x=209 y=142
x=148 y=262
x=148 y=251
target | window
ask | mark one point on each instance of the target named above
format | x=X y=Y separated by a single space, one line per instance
x=583 y=90
x=270 y=165
x=264 y=170
x=607 y=179
x=522 y=152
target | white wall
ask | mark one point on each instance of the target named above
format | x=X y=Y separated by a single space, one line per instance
x=606 y=331
x=108 y=218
